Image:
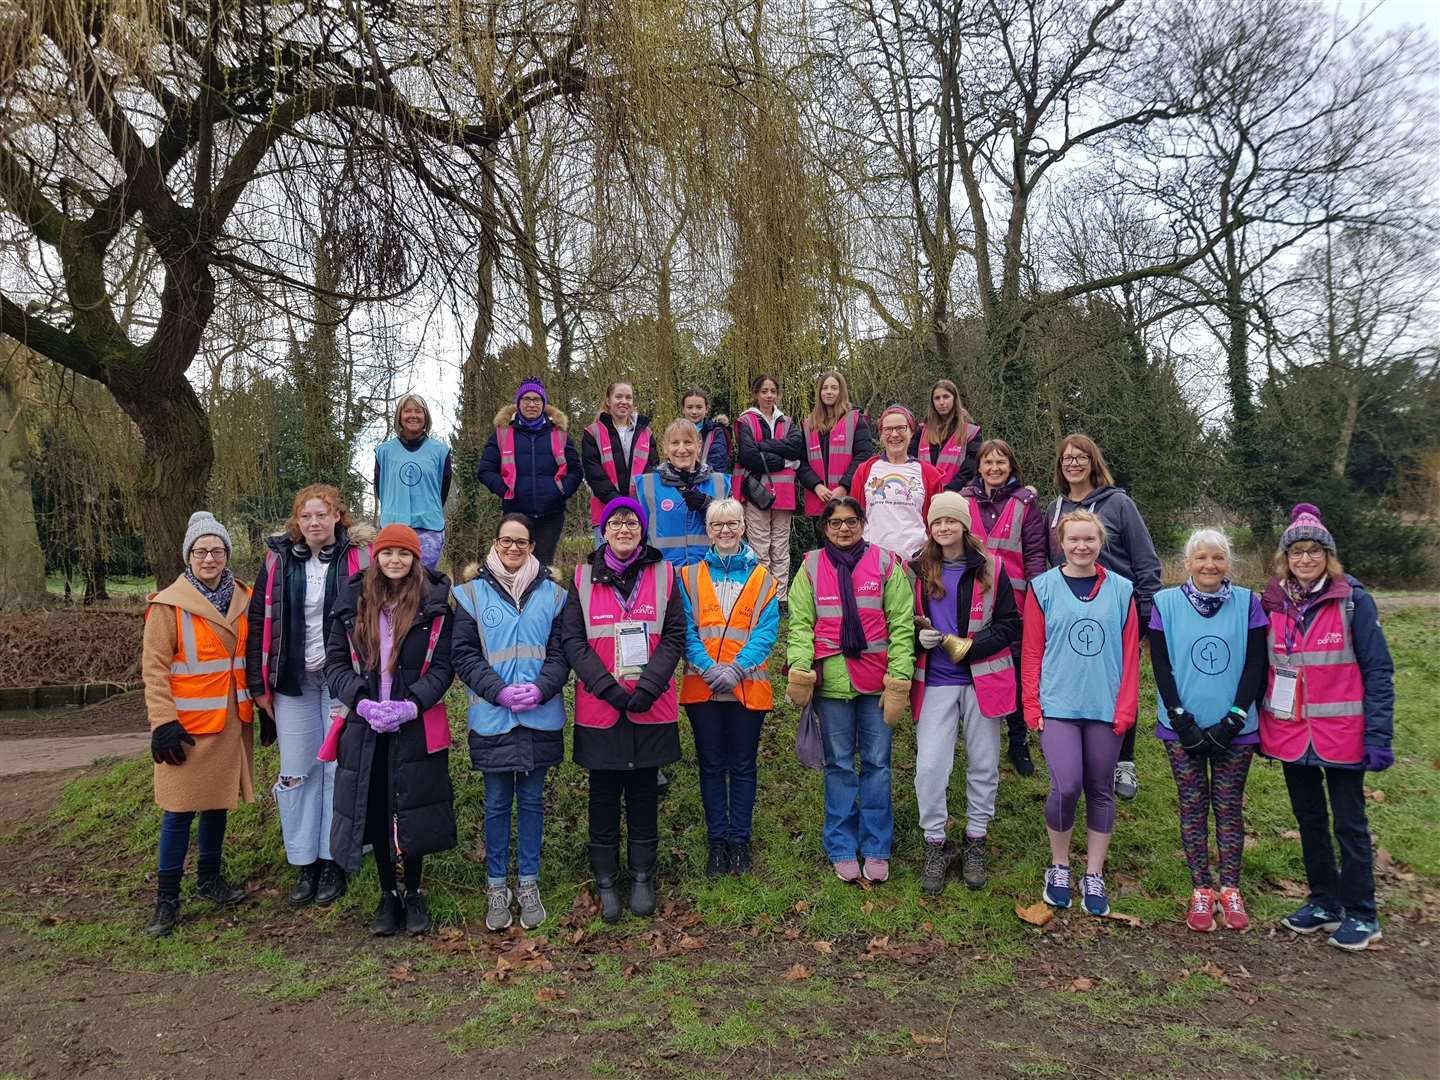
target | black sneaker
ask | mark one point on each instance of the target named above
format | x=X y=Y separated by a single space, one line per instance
x=718 y=864
x=219 y=891
x=1020 y=757
x=740 y=857
x=303 y=891
x=972 y=862
x=167 y=914
x=332 y=885
x=936 y=866
x=417 y=914
x=389 y=915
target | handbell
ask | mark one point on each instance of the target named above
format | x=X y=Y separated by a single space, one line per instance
x=956 y=647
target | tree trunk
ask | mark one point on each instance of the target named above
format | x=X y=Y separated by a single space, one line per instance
x=1347 y=432
x=22 y=570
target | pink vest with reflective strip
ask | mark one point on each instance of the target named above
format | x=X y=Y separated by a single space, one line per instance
x=867 y=671
x=842 y=450
x=601 y=610
x=1329 y=691
x=639 y=462
x=782 y=481
x=952 y=453
x=505 y=436
x=1004 y=541
x=993 y=677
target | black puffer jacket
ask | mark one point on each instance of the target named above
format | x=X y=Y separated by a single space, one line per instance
x=625 y=745
x=421 y=802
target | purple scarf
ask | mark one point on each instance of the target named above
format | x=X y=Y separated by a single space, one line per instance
x=617 y=565
x=852 y=633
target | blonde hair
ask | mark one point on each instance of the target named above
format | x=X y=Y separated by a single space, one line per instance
x=681 y=426
x=412 y=399
x=726 y=505
x=1083 y=517
x=823 y=418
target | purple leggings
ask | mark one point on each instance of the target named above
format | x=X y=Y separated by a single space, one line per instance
x=1081 y=756
x=431 y=541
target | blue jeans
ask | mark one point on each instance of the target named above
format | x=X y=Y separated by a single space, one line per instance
x=727 y=739
x=305 y=788
x=859 y=815
x=526 y=791
x=175 y=841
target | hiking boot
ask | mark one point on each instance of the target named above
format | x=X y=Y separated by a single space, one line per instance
x=1356 y=935
x=1057 y=886
x=303 y=891
x=1096 y=902
x=605 y=865
x=219 y=891
x=876 y=870
x=1127 y=780
x=972 y=862
x=167 y=914
x=1020 y=757
x=1310 y=918
x=497 y=909
x=935 y=867
x=718 y=864
x=740 y=857
x=332 y=885
x=532 y=911
x=1201 y=917
x=389 y=915
x=417 y=914
x=1232 y=909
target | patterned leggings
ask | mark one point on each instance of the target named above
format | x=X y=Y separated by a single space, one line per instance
x=1204 y=783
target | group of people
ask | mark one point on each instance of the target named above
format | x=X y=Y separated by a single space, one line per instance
x=940 y=589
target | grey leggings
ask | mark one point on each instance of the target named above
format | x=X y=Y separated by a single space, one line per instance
x=1081 y=756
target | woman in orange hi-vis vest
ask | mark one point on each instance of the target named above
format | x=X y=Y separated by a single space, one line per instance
x=732 y=621
x=193 y=664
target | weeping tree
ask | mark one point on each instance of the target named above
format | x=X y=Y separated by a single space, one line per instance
x=22 y=572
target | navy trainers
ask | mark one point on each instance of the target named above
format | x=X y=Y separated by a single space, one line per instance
x=1057 y=886
x=1310 y=918
x=1096 y=902
x=1356 y=934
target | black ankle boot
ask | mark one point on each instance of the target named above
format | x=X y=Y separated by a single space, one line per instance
x=740 y=857
x=332 y=884
x=718 y=863
x=303 y=891
x=219 y=891
x=642 y=878
x=1020 y=757
x=389 y=915
x=605 y=864
x=167 y=914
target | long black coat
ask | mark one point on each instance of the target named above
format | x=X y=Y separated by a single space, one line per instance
x=521 y=749
x=421 y=803
x=625 y=745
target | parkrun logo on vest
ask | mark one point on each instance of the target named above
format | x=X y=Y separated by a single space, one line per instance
x=1210 y=655
x=410 y=474
x=667 y=505
x=867 y=587
x=1334 y=638
x=1087 y=637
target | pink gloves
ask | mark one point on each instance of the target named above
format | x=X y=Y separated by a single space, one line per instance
x=521 y=698
x=385 y=717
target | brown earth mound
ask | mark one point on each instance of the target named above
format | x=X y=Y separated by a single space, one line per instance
x=61 y=648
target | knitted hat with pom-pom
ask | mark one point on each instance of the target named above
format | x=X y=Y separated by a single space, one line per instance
x=1305 y=524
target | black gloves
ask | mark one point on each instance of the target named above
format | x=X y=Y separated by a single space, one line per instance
x=695 y=499
x=616 y=697
x=165 y=743
x=267 y=728
x=640 y=701
x=1192 y=739
x=1217 y=738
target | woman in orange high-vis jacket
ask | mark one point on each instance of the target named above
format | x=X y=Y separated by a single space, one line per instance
x=732 y=620
x=193 y=664
x=1327 y=713
x=623 y=631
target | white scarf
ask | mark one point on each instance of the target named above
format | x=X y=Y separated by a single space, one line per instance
x=515 y=582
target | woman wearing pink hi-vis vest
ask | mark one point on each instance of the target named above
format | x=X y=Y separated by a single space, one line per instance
x=765 y=479
x=623 y=631
x=614 y=450
x=965 y=679
x=1006 y=517
x=1327 y=713
x=949 y=439
x=832 y=443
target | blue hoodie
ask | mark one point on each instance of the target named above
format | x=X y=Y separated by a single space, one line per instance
x=736 y=568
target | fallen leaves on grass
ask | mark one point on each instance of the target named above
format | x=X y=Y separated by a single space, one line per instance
x=1292 y=889
x=1375 y=795
x=551 y=993
x=1128 y=920
x=801 y=907
x=797 y=972
x=1080 y=985
x=525 y=955
x=926 y=1040
x=825 y=948
x=401 y=972
x=1037 y=914
x=451 y=939
x=880 y=948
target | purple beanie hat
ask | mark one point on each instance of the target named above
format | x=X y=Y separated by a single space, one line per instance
x=624 y=502
x=532 y=386
x=1305 y=524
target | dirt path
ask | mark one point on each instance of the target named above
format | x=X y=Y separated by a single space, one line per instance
x=19 y=756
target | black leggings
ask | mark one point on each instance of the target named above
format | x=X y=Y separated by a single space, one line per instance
x=377 y=823
x=641 y=793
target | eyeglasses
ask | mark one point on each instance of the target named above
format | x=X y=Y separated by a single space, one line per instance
x=1075 y=459
x=201 y=554
x=1306 y=553
x=625 y=525
x=509 y=543
x=724 y=526
x=895 y=429
x=843 y=523
x=532 y=399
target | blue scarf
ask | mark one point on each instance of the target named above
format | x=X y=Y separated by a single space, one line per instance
x=538 y=424
x=1207 y=604
x=220 y=595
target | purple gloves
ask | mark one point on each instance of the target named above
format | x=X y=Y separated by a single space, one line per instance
x=1378 y=758
x=385 y=717
x=722 y=678
x=521 y=698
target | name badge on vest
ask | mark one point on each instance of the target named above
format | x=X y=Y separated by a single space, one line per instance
x=632 y=648
x=1282 y=694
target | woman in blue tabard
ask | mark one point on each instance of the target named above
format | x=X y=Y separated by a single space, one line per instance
x=508 y=654
x=412 y=478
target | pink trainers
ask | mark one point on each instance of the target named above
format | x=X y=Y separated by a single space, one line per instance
x=847 y=870
x=877 y=870
x=1232 y=909
x=1202 y=911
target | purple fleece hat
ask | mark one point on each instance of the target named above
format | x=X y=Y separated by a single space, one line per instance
x=529 y=386
x=624 y=502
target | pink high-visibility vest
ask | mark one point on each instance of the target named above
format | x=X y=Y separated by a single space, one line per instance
x=951 y=454
x=993 y=677
x=841 y=439
x=1329 y=709
x=601 y=609
x=509 y=472
x=782 y=481
x=640 y=452
x=1004 y=541
x=867 y=671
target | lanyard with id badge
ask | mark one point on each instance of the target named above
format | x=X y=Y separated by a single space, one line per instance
x=632 y=649
x=1287 y=679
